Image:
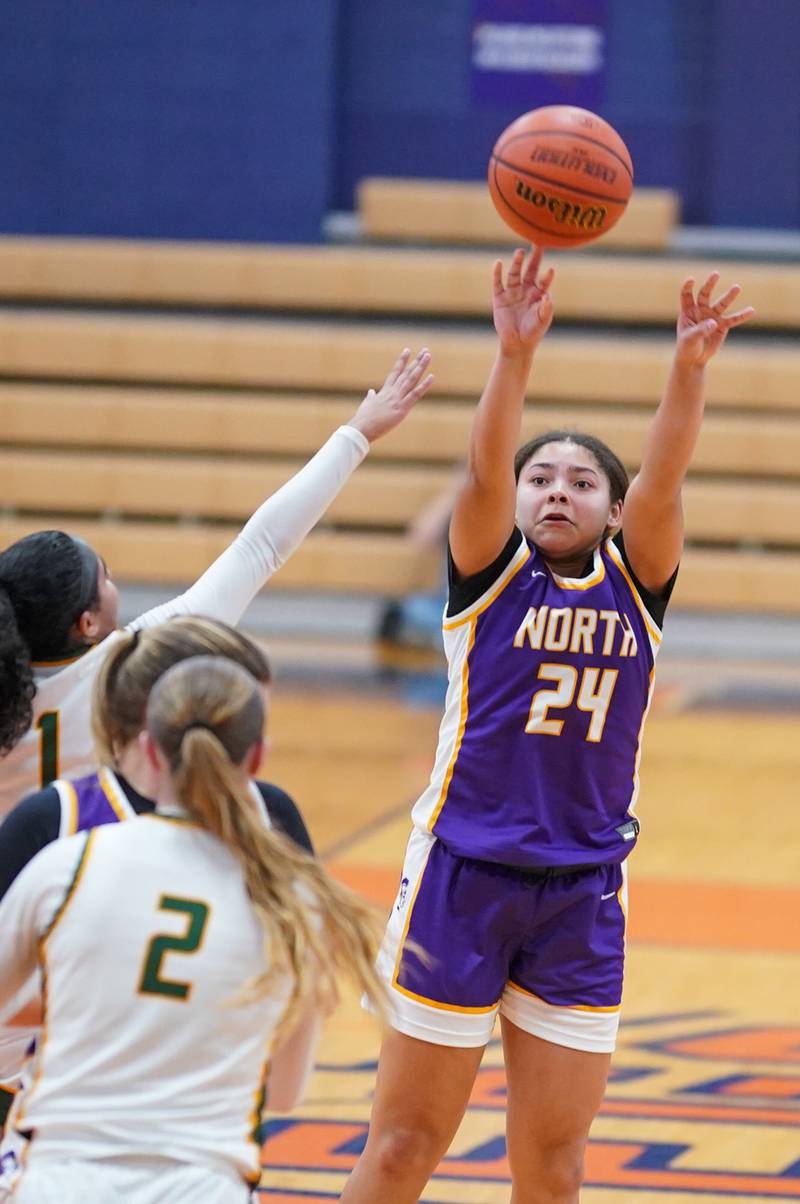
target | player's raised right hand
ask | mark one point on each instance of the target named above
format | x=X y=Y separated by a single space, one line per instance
x=522 y=305
x=382 y=411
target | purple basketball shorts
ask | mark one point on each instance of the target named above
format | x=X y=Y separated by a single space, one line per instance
x=467 y=939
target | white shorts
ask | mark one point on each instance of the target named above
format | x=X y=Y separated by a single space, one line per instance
x=134 y=1181
x=12 y=1153
x=545 y=953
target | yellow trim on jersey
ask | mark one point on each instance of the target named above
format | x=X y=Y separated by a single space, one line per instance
x=173 y=819
x=595 y=577
x=113 y=792
x=649 y=621
x=634 y=799
x=509 y=572
x=445 y=1007
x=462 y=725
x=622 y=898
x=63 y=661
x=255 y=1117
x=43 y=939
x=70 y=892
x=24 y=1096
x=571 y=1007
x=72 y=807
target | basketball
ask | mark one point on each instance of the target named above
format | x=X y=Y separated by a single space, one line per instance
x=560 y=176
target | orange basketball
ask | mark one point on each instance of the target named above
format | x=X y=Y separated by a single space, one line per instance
x=560 y=176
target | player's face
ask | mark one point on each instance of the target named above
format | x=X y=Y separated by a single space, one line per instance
x=564 y=500
x=106 y=613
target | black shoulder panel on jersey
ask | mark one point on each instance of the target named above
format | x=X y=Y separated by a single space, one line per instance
x=285 y=815
x=466 y=590
x=656 y=603
x=25 y=831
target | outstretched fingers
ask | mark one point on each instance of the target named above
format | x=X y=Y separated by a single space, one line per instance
x=694 y=310
x=728 y=321
x=515 y=268
x=419 y=390
x=398 y=367
x=706 y=289
x=410 y=377
x=532 y=269
x=722 y=303
x=688 y=305
x=546 y=280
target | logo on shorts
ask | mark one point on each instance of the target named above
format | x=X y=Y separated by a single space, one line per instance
x=401 y=898
x=8 y=1164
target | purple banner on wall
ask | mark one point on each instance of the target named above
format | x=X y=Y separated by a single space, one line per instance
x=527 y=53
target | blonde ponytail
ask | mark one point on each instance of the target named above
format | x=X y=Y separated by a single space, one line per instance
x=137 y=659
x=205 y=714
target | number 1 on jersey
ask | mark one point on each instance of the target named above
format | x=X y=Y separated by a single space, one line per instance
x=48 y=727
x=594 y=696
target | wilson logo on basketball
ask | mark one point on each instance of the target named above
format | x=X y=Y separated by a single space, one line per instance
x=574 y=162
x=566 y=213
x=560 y=176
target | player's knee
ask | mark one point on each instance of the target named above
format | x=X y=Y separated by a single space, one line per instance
x=552 y=1172
x=565 y=1174
x=408 y=1149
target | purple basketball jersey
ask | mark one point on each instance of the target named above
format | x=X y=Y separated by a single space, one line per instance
x=550 y=680
x=91 y=802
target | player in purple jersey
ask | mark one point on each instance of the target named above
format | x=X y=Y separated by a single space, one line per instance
x=514 y=879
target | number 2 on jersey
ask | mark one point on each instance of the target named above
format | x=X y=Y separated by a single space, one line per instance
x=594 y=696
x=151 y=981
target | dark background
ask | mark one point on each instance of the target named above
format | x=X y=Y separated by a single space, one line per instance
x=251 y=119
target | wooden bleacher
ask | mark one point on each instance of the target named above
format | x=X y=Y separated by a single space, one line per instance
x=346 y=280
x=460 y=211
x=154 y=431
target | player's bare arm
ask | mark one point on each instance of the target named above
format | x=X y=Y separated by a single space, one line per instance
x=484 y=513
x=652 y=518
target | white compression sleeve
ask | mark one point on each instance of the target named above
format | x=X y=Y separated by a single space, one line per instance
x=269 y=538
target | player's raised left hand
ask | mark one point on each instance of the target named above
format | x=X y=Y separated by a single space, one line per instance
x=385 y=408
x=703 y=324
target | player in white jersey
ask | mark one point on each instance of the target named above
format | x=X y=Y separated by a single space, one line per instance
x=148 y=1086
x=58 y=602
x=118 y=791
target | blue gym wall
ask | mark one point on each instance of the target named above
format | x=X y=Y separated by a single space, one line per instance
x=250 y=119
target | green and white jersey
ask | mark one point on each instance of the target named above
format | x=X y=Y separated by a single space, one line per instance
x=145 y=935
x=59 y=742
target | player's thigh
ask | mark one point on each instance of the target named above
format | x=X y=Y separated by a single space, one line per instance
x=554 y=1092
x=422 y=1087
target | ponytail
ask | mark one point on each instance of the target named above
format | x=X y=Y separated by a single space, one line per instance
x=17 y=687
x=205 y=715
x=136 y=661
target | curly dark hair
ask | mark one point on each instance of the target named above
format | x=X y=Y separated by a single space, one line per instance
x=17 y=686
x=42 y=593
x=607 y=460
